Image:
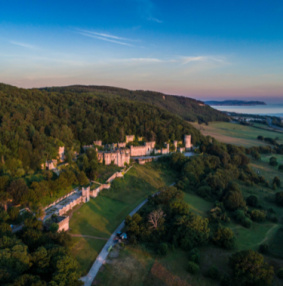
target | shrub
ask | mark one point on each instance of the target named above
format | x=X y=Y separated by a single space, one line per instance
x=224 y=237
x=213 y=273
x=280 y=273
x=194 y=255
x=252 y=201
x=280 y=168
x=263 y=248
x=258 y=215
x=163 y=249
x=247 y=223
x=193 y=268
x=279 y=198
x=273 y=161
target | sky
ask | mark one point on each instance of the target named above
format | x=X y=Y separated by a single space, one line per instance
x=202 y=49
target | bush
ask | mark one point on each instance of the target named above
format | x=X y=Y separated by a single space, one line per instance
x=252 y=201
x=280 y=168
x=273 y=161
x=213 y=273
x=279 y=198
x=193 y=268
x=247 y=223
x=280 y=273
x=258 y=215
x=163 y=249
x=263 y=248
x=194 y=255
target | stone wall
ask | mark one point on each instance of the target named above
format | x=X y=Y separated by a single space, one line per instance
x=61 y=153
x=96 y=191
x=60 y=199
x=72 y=204
x=114 y=176
x=64 y=224
x=138 y=151
x=122 y=145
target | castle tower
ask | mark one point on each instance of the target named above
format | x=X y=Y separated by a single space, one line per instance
x=61 y=153
x=85 y=193
x=187 y=141
x=175 y=142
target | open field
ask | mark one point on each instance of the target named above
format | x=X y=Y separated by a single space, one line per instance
x=198 y=205
x=136 y=266
x=234 y=133
x=102 y=215
x=265 y=158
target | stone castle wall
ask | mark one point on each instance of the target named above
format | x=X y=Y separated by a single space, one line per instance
x=130 y=138
x=64 y=224
x=187 y=141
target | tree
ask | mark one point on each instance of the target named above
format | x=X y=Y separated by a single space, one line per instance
x=4 y=199
x=252 y=201
x=249 y=268
x=224 y=237
x=156 y=219
x=273 y=161
x=276 y=183
x=279 y=198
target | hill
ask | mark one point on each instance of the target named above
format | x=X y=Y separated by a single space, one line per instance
x=187 y=108
x=33 y=123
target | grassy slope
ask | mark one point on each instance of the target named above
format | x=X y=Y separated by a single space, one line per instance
x=101 y=216
x=236 y=134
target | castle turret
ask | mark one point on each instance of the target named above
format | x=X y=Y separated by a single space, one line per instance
x=187 y=141
x=85 y=193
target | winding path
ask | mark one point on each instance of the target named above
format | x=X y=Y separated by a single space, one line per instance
x=104 y=252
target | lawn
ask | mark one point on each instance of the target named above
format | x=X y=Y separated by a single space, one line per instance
x=197 y=204
x=237 y=134
x=101 y=216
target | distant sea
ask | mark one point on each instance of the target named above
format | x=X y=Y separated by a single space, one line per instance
x=268 y=109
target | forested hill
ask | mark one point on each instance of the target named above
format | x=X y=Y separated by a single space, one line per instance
x=33 y=123
x=188 y=108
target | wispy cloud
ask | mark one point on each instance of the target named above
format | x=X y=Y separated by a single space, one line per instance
x=146 y=10
x=23 y=45
x=187 y=60
x=106 y=37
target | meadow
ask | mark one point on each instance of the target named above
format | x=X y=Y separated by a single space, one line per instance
x=237 y=134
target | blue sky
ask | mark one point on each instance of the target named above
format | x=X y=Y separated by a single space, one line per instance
x=202 y=49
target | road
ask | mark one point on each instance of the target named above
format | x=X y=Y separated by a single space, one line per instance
x=101 y=258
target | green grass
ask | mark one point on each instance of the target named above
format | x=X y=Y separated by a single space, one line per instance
x=275 y=244
x=86 y=250
x=237 y=134
x=106 y=171
x=101 y=216
x=197 y=204
x=265 y=158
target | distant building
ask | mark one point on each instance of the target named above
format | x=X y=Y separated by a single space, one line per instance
x=187 y=141
x=119 y=157
x=130 y=138
x=61 y=153
x=97 y=143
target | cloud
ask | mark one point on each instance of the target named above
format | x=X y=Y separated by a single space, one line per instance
x=187 y=60
x=23 y=45
x=139 y=60
x=146 y=8
x=106 y=37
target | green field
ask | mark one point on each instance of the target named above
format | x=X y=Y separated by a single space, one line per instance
x=237 y=134
x=101 y=216
x=106 y=171
x=197 y=204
